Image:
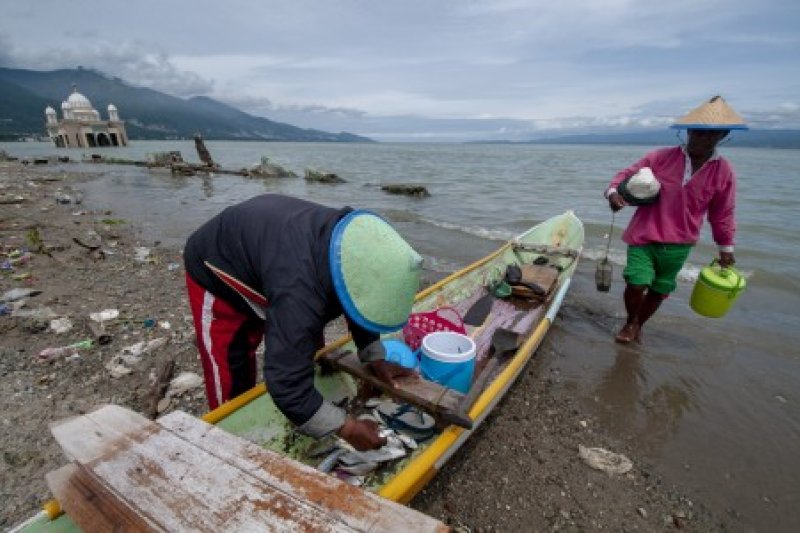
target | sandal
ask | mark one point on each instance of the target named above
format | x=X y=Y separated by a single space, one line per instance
x=406 y=419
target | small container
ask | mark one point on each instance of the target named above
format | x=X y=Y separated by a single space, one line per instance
x=448 y=358
x=399 y=353
x=716 y=289
x=603 y=274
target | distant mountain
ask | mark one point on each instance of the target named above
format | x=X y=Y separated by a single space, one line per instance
x=753 y=138
x=16 y=104
x=148 y=114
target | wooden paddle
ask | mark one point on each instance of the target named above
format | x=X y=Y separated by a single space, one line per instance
x=429 y=396
x=503 y=342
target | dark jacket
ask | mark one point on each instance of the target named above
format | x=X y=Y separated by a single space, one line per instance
x=275 y=248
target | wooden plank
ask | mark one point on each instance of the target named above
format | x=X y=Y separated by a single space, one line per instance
x=419 y=392
x=90 y=505
x=359 y=509
x=179 y=484
x=543 y=276
x=83 y=441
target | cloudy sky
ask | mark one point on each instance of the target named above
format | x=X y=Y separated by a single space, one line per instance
x=429 y=69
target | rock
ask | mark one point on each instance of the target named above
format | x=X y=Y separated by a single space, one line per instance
x=409 y=190
x=323 y=177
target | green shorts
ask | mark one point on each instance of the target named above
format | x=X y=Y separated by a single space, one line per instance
x=656 y=265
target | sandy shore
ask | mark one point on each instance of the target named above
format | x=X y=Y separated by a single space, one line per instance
x=521 y=471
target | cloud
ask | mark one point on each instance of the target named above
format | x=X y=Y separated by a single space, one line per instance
x=135 y=62
x=497 y=66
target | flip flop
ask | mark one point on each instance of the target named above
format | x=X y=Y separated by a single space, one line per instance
x=404 y=418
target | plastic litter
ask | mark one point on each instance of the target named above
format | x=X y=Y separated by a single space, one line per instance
x=121 y=364
x=63 y=198
x=182 y=383
x=104 y=315
x=50 y=354
x=41 y=313
x=61 y=325
x=141 y=254
x=18 y=294
x=602 y=459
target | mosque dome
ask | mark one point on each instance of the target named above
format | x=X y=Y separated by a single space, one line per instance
x=65 y=106
x=77 y=101
x=112 y=107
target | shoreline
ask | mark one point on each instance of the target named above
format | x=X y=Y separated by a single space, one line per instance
x=520 y=471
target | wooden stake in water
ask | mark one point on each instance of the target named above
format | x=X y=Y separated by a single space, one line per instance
x=604 y=272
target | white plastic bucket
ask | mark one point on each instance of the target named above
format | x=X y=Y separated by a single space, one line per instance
x=448 y=358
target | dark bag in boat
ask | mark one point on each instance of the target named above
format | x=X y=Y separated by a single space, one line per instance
x=531 y=281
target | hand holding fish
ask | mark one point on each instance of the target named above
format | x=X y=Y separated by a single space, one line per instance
x=361 y=434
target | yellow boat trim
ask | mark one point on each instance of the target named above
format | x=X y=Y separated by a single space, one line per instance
x=409 y=481
x=227 y=408
x=469 y=268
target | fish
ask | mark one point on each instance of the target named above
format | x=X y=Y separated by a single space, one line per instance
x=372 y=403
x=359 y=469
x=381 y=455
x=322 y=447
x=350 y=479
x=330 y=461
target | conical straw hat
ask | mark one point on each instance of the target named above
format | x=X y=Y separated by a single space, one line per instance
x=715 y=114
x=375 y=271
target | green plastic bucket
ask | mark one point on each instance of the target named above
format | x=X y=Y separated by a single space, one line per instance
x=716 y=289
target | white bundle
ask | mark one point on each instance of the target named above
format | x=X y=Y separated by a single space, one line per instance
x=643 y=184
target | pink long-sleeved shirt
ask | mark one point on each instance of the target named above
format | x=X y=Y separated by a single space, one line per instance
x=677 y=216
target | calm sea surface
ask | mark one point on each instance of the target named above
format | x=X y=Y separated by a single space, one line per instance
x=713 y=405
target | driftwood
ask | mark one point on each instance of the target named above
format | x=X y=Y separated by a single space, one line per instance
x=159 y=388
x=202 y=151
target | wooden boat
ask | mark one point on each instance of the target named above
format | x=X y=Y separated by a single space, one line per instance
x=555 y=245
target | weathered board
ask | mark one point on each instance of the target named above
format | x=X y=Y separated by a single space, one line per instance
x=180 y=473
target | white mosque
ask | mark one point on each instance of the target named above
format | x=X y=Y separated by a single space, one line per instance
x=81 y=125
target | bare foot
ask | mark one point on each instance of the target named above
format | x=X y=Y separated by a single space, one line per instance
x=628 y=333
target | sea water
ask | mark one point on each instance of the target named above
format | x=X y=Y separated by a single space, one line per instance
x=713 y=404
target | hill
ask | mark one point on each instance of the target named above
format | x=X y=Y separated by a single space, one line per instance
x=148 y=114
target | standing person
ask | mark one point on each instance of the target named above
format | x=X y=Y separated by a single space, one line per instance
x=694 y=181
x=281 y=268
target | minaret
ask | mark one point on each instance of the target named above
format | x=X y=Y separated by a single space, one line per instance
x=50 y=113
x=113 y=114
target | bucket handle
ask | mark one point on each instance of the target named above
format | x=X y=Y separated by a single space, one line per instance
x=725 y=272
